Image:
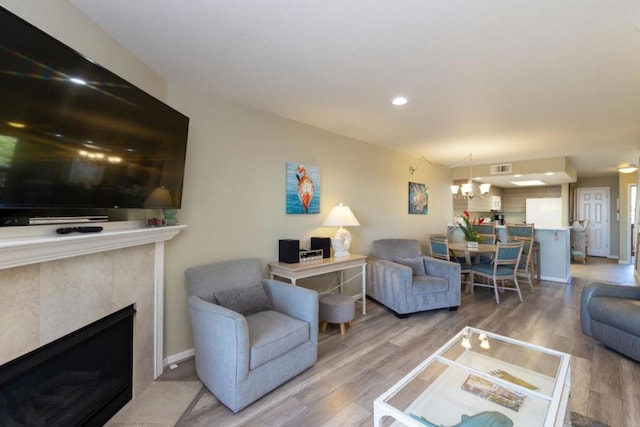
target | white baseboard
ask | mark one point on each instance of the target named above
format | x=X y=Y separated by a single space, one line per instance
x=178 y=357
x=557 y=279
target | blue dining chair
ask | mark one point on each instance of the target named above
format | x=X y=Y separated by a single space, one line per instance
x=502 y=271
x=439 y=247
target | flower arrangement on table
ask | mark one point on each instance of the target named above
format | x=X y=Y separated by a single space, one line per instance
x=470 y=235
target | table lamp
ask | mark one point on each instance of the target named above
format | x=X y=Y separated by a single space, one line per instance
x=341 y=216
x=160 y=198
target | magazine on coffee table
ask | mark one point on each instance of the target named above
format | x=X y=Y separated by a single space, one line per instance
x=512 y=379
x=496 y=393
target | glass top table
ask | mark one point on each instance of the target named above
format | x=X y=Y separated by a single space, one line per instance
x=481 y=375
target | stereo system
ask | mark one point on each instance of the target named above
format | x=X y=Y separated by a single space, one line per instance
x=323 y=243
x=289 y=250
x=310 y=255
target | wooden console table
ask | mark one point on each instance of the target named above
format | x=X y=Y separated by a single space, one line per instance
x=302 y=270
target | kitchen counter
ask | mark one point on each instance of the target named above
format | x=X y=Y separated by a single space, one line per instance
x=559 y=228
x=555 y=255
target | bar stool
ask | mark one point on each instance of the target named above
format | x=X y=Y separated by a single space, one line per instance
x=526 y=232
x=535 y=261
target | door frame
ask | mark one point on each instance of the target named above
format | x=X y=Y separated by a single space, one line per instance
x=631 y=221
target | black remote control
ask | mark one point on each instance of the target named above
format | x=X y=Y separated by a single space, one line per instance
x=90 y=229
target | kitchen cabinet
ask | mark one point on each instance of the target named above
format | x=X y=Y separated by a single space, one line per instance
x=515 y=200
x=477 y=204
x=481 y=205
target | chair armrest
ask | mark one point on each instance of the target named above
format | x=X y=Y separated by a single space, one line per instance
x=403 y=273
x=440 y=268
x=602 y=289
x=394 y=274
x=294 y=301
x=389 y=283
x=220 y=338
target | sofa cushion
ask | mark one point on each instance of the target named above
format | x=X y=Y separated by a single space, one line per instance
x=620 y=313
x=390 y=248
x=244 y=300
x=502 y=270
x=416 y=264
x=272 y=334
x=429 y=284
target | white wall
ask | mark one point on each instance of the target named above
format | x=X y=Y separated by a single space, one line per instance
x=235 y=183
x=234 y=194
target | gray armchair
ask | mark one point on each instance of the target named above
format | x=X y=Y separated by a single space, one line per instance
x=405 y=281
x=250 y=334
x=611 y=315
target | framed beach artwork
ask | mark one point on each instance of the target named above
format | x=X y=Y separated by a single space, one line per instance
x=303 y=188
x=418 y=199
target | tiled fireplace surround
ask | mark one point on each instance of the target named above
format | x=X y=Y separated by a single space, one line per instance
x=51 y=285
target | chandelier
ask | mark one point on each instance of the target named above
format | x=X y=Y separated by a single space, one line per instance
x=466 y=190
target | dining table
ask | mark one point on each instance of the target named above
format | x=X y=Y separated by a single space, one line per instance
x=462 y=247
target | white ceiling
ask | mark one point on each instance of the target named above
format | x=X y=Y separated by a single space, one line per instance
x=505 y=79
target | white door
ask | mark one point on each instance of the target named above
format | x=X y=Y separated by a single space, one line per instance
x=593 y=205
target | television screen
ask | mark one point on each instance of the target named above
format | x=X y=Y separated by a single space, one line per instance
x=75 y=135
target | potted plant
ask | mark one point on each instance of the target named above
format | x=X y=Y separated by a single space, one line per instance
x=470 y=235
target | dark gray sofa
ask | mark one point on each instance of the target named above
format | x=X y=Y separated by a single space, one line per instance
x=611 y=315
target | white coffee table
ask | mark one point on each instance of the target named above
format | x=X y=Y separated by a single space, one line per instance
x=466 y=380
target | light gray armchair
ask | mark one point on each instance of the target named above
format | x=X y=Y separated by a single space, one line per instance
x=241 y=357
x=405 y=281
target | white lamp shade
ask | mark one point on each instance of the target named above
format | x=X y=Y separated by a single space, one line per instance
x=484 y=188
x=341 y=216
x=159 y=198
x=454 y=189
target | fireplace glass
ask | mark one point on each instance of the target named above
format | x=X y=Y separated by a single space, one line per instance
x=81 y=379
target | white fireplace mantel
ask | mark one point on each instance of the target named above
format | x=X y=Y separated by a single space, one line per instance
x=36 y=244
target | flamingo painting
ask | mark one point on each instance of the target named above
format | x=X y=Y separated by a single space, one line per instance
x=303 y=188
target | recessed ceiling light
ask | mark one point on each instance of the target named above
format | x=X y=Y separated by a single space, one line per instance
x=549 y=173
x=529 y=183
x=399 y=100
x=628 y=169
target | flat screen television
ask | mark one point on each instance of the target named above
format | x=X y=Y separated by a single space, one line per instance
x=75 y=137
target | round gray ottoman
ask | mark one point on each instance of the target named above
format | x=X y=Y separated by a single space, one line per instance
x=337 y=309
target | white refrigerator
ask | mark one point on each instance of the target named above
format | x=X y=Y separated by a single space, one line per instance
x=545 y=212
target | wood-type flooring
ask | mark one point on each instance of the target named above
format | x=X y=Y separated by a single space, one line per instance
x=380 y=349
